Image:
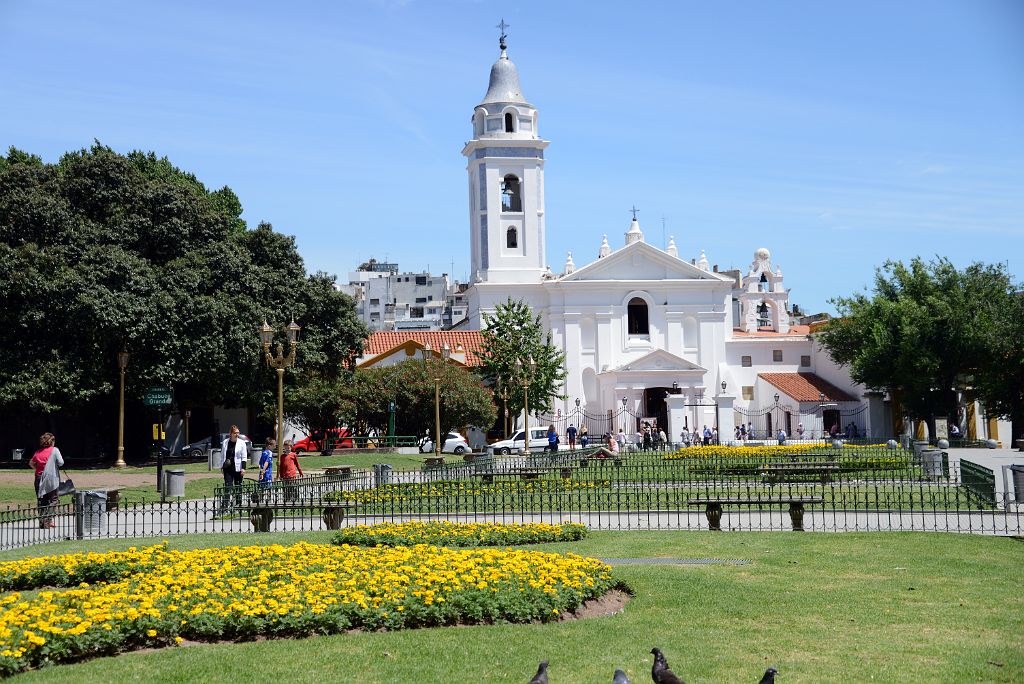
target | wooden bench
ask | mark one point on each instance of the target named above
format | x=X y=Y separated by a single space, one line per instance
x=343 y=470
x=777 y=472
x=113 y=496
x=489 y=476
x=433 y=461
x=602 y=456
x=713 y=507
x=261 y=515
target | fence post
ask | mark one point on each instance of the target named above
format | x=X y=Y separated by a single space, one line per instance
x=79 y=515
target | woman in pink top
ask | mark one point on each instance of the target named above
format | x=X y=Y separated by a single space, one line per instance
x=47 y=460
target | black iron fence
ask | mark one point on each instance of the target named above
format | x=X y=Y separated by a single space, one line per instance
x=822 y=490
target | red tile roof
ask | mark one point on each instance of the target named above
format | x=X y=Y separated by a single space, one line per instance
x=471 y=341
x=794 y=331
x=805 y=386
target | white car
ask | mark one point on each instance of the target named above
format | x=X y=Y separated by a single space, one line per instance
x=453 y=444
x=538 y=440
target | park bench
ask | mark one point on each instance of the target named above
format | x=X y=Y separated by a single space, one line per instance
x=523 y=474
x=778 y=472
x=113 y=496
x=344 y=470
x=262 y=514
x=713 y=507
x=602 y=457
x=433 y=461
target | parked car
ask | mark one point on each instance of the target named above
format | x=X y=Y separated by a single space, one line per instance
x=198 y=449
x=453 y=444
x=538 y=439
x=339 y=438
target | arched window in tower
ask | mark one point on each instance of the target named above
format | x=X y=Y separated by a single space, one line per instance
x=511 y=194
x=512 y=238
x=509 y=123
x=636 y=313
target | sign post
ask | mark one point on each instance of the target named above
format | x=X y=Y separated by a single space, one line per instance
x=159 y=397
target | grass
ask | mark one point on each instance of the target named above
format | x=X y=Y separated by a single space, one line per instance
x=894 y=607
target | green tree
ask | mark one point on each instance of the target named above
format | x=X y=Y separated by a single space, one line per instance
x=512 y=337
x=925 y=327
x=999 y=382
x=104 y=252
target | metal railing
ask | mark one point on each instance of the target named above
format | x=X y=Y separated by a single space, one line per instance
x=830 y=490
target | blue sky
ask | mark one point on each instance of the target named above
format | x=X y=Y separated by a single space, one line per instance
x=836 y=134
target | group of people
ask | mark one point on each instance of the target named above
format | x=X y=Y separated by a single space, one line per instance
x=235 y=452
x=705 y=437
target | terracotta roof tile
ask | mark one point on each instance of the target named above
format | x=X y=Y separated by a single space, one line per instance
x=471 y=341
x=794 y=331
x=805 y=386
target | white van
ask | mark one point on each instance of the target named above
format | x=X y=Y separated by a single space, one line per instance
x=538 y=441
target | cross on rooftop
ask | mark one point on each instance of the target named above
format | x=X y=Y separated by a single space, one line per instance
x=635 y=211
x=502 y=26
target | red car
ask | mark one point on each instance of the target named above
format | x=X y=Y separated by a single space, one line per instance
x=339 y=438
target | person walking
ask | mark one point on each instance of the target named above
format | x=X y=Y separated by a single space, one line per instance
x=570 y=434
x=233 y=467
x=663 y=439
x=47 y=460
x=621 y=439
x=290 y=470
x=648 y=439
x=552 y=439
x=800 y=430
x=584 y=437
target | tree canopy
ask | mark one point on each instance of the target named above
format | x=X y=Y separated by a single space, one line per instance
x=927 y=331
x=104 y=252
x=512 y=337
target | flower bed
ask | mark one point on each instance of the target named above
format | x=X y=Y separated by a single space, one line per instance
x=775 y=451
x=446 y=489
x=444 y=533
x=159 y=597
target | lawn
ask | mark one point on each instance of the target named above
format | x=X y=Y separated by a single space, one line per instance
x=894 y=607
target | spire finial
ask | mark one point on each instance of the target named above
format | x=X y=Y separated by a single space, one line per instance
x=635 y=211
x=501 y=40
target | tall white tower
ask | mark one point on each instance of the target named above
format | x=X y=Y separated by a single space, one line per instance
x=506 y=182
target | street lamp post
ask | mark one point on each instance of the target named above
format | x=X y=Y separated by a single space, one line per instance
x=279 y=361
x=446 y=351
x=821 y=410
x=503 y=393
x=718 y=413
x=526 y=372
x=122 y=364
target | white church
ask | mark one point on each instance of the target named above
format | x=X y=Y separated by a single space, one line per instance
x=648 y=334
x=641 y=327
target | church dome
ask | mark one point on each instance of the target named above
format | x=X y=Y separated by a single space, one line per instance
x=504 y=84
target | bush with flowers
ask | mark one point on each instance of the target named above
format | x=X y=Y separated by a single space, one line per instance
x=156 y=596
x=444 y=533
x=460 y=490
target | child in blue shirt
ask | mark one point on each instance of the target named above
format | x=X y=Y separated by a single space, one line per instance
x=267 y=463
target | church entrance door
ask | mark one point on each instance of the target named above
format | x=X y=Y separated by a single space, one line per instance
x=655 y=407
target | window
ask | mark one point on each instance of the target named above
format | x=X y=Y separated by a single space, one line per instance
x=511 y=238
x=416 y=312
x=374 y=302
x=636 y=313
x=509 y=123
x=748 y=392
x=420 y=280
x=511 y=194
x=421 y=300
x=745 y=361
x=805 y=361
x=777 y=355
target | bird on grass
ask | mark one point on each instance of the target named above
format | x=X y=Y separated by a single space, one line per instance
x=542 y=674
x=620 y=678
x=660 y=672
x=769 y=676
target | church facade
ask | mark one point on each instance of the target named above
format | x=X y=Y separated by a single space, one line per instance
x=646 y=332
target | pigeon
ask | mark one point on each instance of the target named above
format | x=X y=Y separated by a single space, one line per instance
x=769 y=676
x=542 y=674
x=660 y=672
x=621 y=678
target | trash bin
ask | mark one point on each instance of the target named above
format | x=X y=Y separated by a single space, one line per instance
x=214 y=459
x=17 y=454
x=931 y=462
x=919 y=446
x=254 y=457
x=1017 y=475
x=94 y=512
x=174 y=482
x=381 y=474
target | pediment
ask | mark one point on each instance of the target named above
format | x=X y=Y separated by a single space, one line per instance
x=640 y=261
x=661 y=360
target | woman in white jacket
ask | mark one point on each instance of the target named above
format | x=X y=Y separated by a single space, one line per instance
x=47 y=461
x=235 y=453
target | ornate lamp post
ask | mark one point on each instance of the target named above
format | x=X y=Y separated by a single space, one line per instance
x=279 y=361
x=821 y=410
x=446 y=351
x=718 y=413
x=122 y=364
x=526 y=372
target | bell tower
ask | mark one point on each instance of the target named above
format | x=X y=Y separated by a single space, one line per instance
x=505 y=163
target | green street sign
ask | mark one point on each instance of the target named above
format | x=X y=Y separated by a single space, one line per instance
x=157 y=396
